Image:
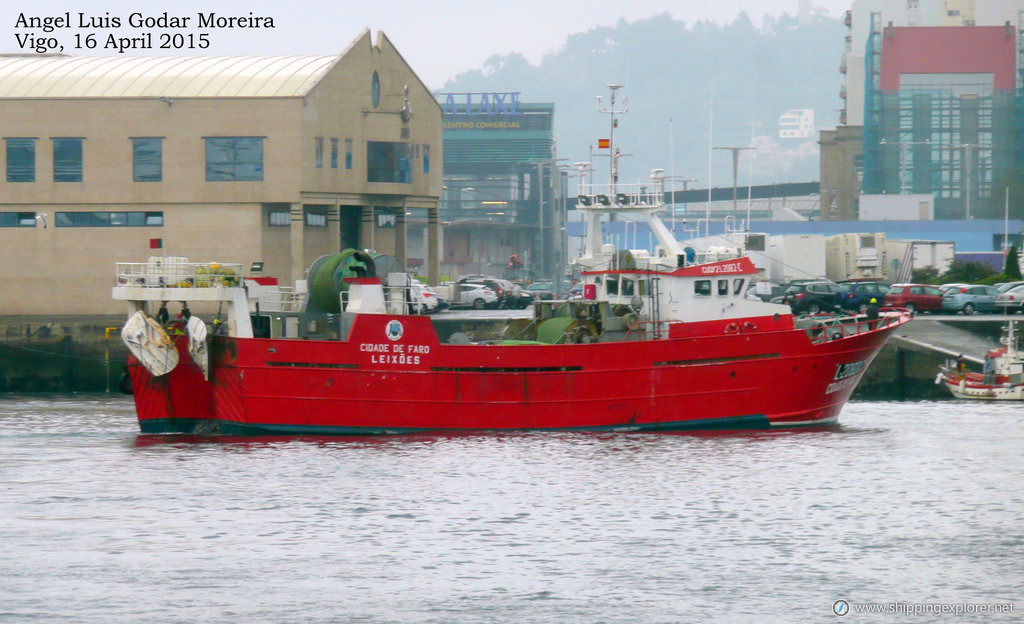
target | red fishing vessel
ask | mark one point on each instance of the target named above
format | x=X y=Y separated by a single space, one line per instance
x=660 y=341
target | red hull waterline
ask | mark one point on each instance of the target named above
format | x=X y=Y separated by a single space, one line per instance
x=704 y=375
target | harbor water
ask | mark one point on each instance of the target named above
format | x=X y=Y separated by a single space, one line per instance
x=909 y=508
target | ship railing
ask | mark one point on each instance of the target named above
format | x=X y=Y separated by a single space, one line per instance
x=174 y=272
x=284 y=299
x=828 y=327
x=620 y=196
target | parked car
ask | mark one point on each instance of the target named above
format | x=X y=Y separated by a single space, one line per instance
x=813 y=297
x=423 y=299
x=1005 y=286
x=858 y=294
x=542 y=291
x=1011 y=301
x=969 y=299
x=477 y=296
x=509 y=295
x=765 y=291
x=914 y=297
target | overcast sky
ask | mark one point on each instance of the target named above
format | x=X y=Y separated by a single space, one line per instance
x=439 y=38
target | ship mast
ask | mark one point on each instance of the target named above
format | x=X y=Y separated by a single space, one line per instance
x=613 y=166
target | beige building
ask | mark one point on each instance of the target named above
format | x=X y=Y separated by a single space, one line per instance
x=276 y=160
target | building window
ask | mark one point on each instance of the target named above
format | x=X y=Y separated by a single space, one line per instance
x=147 y=159
x=334 y=153
x=388 y=162
x=316 y=219
x=21 y=160
x=110 y=219
x=279 y=218
x=319 y=152
x=234 y=159
x=375 y=89
x=17 y=219
x=348 y=153
x=426 y=159
x=67 y=160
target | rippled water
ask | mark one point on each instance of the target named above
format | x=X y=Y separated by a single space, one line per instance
x=911 y=502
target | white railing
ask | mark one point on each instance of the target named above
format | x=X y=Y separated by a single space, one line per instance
x=176 y=272
x=283 y=299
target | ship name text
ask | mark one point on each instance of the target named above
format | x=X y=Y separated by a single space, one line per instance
x=731 y=267
x=397 y=353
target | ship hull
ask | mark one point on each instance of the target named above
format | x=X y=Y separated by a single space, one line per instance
x=702 y=376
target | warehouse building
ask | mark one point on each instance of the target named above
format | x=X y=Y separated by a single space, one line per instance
x=272 y=160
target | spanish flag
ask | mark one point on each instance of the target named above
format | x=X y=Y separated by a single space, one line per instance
x=604 y=143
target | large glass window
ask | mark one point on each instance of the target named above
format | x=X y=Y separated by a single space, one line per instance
x=388 y=162
x=109 y=219
x=17 y=219
x=147 y=159
x=426 y=159
x=21 y=160
x=237 y=159
x=67 y=160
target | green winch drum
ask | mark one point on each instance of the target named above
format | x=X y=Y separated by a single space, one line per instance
x=326 y=278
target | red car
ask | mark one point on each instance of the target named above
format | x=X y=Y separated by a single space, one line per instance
x=914 y=297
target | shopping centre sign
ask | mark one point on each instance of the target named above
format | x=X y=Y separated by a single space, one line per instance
x=488 y=103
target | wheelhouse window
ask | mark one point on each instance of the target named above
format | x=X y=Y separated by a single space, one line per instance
x=17 y=219
x=737 y=285
x=388 y=162
x=147 y=159
x=234 y=159
x=611 y=285
x=723 y=287
x=702 y=288
x=21 y=160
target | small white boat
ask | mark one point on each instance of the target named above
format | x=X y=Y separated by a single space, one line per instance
x=1001 y=378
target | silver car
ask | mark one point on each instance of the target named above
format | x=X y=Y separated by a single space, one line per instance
x=969 y=298
x=1011 y=300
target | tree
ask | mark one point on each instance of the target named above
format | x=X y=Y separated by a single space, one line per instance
x=1012 y=267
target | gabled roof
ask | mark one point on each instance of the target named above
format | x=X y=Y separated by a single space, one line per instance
x=120 y=76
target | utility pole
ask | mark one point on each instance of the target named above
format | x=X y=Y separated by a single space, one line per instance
x=735 y=169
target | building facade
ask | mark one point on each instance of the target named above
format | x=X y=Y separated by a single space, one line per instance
x=947 y=50
x=275 y=160
x=504 y=198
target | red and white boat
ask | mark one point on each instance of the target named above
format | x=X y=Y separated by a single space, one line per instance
x=661 y=341
x=1001 y=379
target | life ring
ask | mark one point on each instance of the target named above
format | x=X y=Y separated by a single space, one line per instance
x=732 y=328
x=837 y=335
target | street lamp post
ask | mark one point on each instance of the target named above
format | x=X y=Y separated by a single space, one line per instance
x=967 y=147
x=903 y=159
